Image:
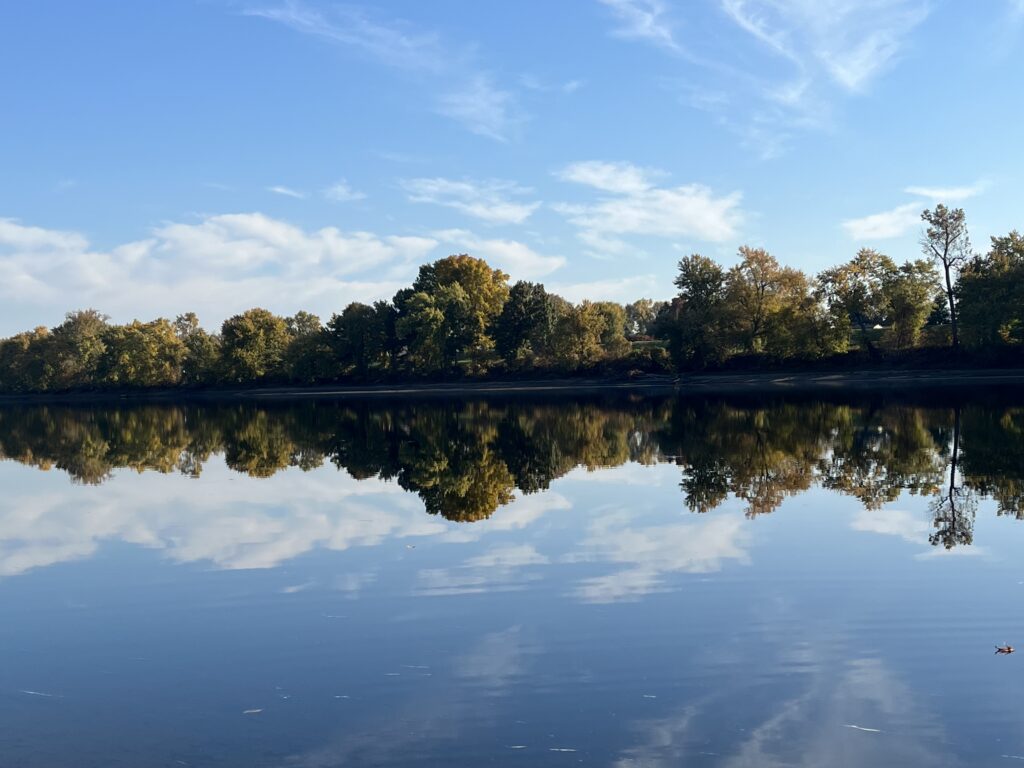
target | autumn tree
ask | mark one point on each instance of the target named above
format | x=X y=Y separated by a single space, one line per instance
x=946 y=242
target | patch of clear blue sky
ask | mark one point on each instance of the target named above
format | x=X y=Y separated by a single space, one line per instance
x=119 y=117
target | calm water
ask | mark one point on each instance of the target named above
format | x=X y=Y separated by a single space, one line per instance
x=647 y=582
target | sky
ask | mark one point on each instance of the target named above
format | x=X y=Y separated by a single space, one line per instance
x=215 y=155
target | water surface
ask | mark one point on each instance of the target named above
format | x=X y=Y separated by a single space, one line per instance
x=609 y=582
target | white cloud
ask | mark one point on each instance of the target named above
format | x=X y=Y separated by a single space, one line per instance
x=517 y=259
x=892 y=522
x=490 y=201
x=634 y=206
x=482 y=108
x=905 y=218
x=643 y=20
x=948 y=194
x=653 y=552
x=216 y=266
x=622 y=178
x=341 y=192
x=287 y=192
x=879 y=226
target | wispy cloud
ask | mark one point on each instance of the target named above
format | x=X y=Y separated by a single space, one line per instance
x=342 y=192
x=492 y=201
x=287 y=192
x=645 y=20
x=634 y=205
x=799 y=53
x=853 y=41
x=395 y=44
x=475 y=101
x=516 y=258
x=483 y=108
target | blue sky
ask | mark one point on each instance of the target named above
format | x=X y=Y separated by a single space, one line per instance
x=158 y=157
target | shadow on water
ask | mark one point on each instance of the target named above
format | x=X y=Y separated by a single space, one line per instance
x=466 y=459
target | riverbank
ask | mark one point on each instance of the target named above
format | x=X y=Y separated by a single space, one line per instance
x=707 y=384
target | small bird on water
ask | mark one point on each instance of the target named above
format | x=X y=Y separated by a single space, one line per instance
x=1004 y=649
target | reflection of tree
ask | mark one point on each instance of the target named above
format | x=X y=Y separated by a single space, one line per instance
x=878 y=452
x=467 y=459
x=953 y=509
x=994 y=456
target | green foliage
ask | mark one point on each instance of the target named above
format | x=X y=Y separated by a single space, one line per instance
x=469 y=294
x=991 y=294
x=523 y=331
x=460 y=316
x=142 y=355
x=253 y=346
x=73 y=351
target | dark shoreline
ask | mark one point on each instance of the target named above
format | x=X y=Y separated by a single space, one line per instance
x=705 y=384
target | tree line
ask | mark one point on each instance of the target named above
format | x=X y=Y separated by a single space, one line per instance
x=467 y=459
x=461 y=317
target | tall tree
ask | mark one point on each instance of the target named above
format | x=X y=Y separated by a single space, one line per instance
x=947 y=243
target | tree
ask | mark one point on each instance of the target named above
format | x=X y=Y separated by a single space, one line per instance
x=421 y=328
x=307 y=358
x=142 y=355
x=754 y=289
x=359 y=336
x=469 y=311
x=990 y=294
x=946 y=242
x=694 y=322
x=578 y=336
x=640 y=317
x=613 y=334
x=523 y=330
x=909 y=299
x=22 y=361
x=856 y=291
x=253 y=345
x=202 y=351
x=74 y=350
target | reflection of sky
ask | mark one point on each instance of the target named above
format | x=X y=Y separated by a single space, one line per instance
x=601 y=616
